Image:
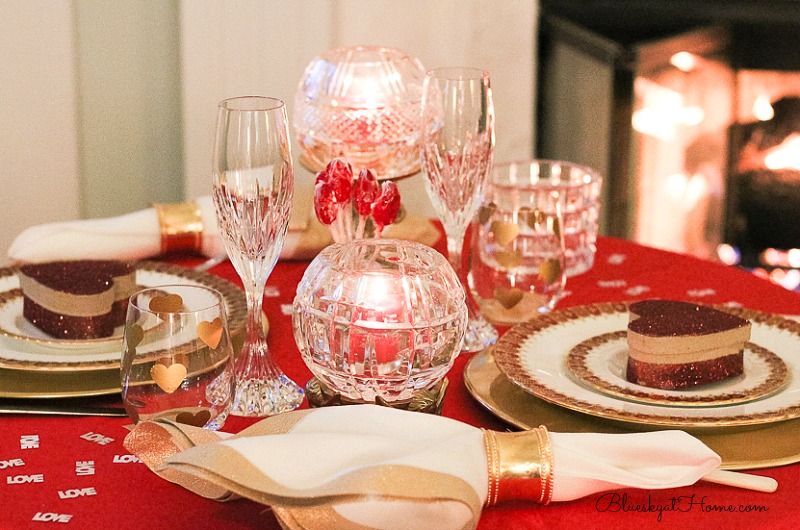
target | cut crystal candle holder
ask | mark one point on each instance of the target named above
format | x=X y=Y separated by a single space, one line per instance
x=361 y=103
x=579 y=189
x=379 y=320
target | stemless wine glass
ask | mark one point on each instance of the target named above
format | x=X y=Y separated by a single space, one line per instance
x=517 y=263
x=457 y=140
x=253 y=184
x=177 y=361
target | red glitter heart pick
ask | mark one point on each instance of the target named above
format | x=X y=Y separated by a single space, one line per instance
x=387 y=206
x=365 y=192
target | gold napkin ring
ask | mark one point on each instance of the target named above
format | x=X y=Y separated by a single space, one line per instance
x=546 y=453
x=181 y=226
x=520 y=466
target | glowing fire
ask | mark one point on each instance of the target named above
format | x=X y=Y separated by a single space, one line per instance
x=762 y=108
x=786 y=155
x=663 y=111
x=684 y=61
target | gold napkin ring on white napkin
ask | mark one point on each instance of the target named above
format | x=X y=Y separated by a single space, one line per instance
x=520 y=466
x=181 y=226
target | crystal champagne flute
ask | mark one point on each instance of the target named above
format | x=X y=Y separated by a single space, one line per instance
x=457 y=147
x=253 y=185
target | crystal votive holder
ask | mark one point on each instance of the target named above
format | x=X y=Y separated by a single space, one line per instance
x=361 y=103
x=579 y=189
x=379 y=320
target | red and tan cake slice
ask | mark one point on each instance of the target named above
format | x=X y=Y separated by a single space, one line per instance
x=679 y=345
x=82 y=299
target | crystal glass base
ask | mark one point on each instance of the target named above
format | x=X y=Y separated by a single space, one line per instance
x=480 y=334
x=429 y=400
x=258 y=398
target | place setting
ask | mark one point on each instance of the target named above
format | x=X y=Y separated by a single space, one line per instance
x=539 y=370
x=59 y=366
x=770 y=396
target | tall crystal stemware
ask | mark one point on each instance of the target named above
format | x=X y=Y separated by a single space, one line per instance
x=457 y=140
x=253 y=187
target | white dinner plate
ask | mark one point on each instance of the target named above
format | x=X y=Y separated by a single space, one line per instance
x=534 y=357
x=25 y=347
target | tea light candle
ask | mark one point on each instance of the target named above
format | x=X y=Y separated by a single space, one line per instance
x=380 y=304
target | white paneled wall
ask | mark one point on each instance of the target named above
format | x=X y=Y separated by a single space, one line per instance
x=244 y=47
x=263 y=47
x=39 y=177
x=97 y=122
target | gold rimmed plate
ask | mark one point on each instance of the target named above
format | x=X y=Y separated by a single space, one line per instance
x=601 y=363
x=534 y=357
x=57 y=385
x=23 y=349
x=765 y=446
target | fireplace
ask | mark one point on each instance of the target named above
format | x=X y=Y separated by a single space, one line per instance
x=694 y=122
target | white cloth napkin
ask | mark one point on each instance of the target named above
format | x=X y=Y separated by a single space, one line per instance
x=132 y=236
x=390 y=469
x=137 y=235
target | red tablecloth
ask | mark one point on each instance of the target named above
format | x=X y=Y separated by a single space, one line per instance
x=123 y=494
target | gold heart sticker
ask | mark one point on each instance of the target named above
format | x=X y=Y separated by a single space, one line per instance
x=504 y=233
x=210 y=332
x=485 y=212
x=133 y=336
x=550 y=271
x=509 y=258
x=198 y=419
x=532 y=217
x=508 y=298
x=168 y=378
x=525 y=214
x=557 y=227
x=170 y=303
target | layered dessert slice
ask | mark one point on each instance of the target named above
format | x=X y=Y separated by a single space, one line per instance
x=123 y=274
x=82 y=299
x=676 y=345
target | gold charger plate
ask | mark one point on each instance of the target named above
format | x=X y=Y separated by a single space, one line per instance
x=741 y=448
x=52 y=385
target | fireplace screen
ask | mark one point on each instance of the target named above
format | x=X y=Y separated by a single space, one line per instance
x=716 y=156
x=701 y=155
x=683 y=106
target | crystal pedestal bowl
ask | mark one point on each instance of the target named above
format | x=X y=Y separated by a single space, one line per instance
x=379 y=320
x=361 y=103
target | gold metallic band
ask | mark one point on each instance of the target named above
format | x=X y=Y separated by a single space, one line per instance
x=493 y=462
x=181 y=226
x=520 y=466
x=546 y=455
